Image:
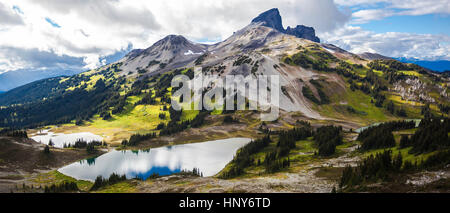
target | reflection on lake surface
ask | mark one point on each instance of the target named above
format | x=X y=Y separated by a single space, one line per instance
x=59 y=139
x=209 y=157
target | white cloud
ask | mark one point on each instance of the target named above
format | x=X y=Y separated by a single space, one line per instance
x=393 y=44
x=363 y=16
x=8 y=16
x=372 y=10
x=12 y=58
x=420 y=7
x=92 y=29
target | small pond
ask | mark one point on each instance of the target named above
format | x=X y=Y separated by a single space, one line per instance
x=59 y=139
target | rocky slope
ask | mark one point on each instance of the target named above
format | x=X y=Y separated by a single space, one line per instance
x=171 y=52
x=318 y=81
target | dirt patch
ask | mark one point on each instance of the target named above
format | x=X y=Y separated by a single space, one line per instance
x=290 y=183
x=331 y=173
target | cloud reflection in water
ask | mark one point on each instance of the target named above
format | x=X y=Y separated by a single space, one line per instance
x=210 y=157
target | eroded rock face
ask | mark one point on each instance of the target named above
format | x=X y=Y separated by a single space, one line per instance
x=302 y=31
x=272 y=19
x=373 y=56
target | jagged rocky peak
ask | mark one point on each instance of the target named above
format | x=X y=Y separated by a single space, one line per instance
x=272 y=19
x=302 y=31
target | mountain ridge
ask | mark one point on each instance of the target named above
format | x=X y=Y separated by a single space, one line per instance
x=272 y=19
x=318 y=81
x=335 y=109
x=175 y=51
x=438 y=65
x=373 y=56
x=13 y=79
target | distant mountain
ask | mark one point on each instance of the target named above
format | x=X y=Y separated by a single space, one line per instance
x=439 y=65
x=272 y=19
x=35 y=91
x=12 y=79
x=170 y=52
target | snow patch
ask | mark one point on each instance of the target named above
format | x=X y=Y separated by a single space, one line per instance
x=189 y=52
x=329 y=50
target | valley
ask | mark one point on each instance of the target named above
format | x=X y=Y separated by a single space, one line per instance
x=307 y=173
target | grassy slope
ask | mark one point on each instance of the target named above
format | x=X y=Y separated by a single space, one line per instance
x=300 y=156
x=396 y=150
x=359 y=101
x=55 y=177
x=366 y=112
x=144 y=118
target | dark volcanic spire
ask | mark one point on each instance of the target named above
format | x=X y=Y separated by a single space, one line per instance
x=305 y=32
x=270 y=18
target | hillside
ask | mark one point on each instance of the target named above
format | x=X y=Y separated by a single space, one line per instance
x=12 y=79
x=319 y=82
x=327 y=94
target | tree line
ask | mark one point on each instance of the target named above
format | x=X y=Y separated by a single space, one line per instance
x=65 y=186
x=372 y=169
x=135 y=139
x=14 y=133
x=82 y=144
x=276 y=160
x=176 y=125
x=243 y=157
x=378 y=137
x=431 y=135
x=327 y=138
x=385 y=166
x=102 y=182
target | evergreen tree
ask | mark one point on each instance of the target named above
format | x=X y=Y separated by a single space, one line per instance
x=50 y=143
x=46 y=149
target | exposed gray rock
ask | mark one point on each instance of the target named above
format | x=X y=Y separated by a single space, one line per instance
x=272 y=19
x=302 y=31
x=373 y=56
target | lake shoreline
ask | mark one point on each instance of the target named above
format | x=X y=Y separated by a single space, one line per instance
x=208 y=157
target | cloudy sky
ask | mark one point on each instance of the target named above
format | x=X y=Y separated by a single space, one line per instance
x=84 y=34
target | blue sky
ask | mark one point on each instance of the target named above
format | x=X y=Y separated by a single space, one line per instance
x=51 y=22
x=97 y=32
x=424 y=24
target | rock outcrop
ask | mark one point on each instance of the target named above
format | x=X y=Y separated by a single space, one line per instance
x=272 y=19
